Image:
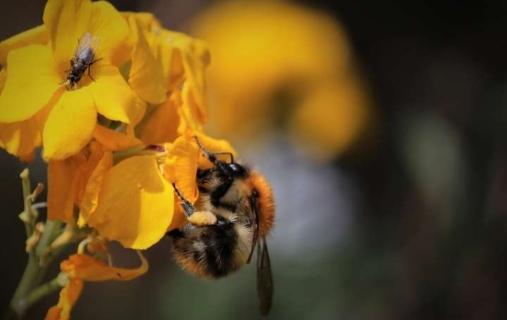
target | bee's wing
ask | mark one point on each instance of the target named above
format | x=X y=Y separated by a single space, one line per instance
x=264 y=277
x=254 y=217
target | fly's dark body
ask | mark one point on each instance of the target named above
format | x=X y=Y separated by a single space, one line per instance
x=82 y=61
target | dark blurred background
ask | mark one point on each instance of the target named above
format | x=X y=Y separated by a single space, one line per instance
x=407 y=222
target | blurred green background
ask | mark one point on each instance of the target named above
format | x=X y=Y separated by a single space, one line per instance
x=382 y=127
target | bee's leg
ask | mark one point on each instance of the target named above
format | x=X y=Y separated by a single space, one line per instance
x=202 y=218
x=198 y=218
x=188 y=208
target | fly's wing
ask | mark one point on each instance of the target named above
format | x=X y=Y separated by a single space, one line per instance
x=86 y=46
x=264 y=278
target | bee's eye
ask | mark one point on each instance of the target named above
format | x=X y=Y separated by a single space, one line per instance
x=237 y=169
x=201 y=174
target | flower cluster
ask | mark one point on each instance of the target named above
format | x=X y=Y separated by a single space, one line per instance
x=116 y=126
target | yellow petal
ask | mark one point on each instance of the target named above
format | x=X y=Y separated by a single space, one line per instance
x=145 y=77
x=147 y=21
x=180 y=166
x=66 y=22
x=70 y=124
x=192 y=57
x=31 y=83
x=160 y=125
x=113 y=96
x=21 y=138
x=179 y=218
x=195 y=60
x=88 y=268
x=90 y=198
x=62 y=187
x=190 y=117
x=112 y=31
x=3 y=77
x=68 y=297
x=135 y=204
x=37 y=35
x=92 y=154
x=215 y=146
x=168 y=55
x=114 y=140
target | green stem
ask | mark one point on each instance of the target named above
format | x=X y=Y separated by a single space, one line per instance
x=51 y=231
x=30 y=279
x=127 y=153
x=27 y=202
x=45 y=289
x=40 y=257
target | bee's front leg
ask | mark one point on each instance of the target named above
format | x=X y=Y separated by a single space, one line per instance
x=198 y=218
x=202 y=218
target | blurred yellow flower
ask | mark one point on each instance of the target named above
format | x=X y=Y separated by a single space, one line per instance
x=330 y=118
x=80 y=268
x=267 y=50
x=37 y=76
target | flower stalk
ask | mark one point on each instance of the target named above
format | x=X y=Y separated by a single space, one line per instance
x=40 y=256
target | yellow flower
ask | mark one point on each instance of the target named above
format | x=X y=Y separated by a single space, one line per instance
x=37 y=75
x=80 y=268
x=270 y=59
x=129 y=202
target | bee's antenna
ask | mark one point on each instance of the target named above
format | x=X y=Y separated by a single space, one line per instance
x=211 y=156
x=187 y=206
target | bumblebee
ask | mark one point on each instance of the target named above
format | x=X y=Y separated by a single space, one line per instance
x=229 y=221
x=83 y=59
